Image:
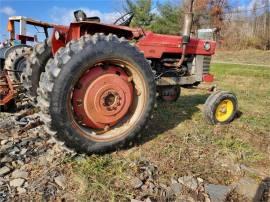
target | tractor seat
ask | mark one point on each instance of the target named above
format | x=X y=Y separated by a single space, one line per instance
x=93 y=19
x=81 y=16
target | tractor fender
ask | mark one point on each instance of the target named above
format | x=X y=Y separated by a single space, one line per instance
x=78 y=29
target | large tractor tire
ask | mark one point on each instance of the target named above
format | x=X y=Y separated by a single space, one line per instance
x=97 y=94
x=220 y=107
x=35 y=65
x=15 y=62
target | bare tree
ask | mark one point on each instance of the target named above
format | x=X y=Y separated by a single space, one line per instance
x=267 y=24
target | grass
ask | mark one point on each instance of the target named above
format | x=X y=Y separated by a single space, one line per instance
x=101 y=177
x=249 y=56
x=179 y=142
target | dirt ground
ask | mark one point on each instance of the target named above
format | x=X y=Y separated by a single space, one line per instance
x=178 y=142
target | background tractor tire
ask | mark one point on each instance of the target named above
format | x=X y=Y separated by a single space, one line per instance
x=220 y=107
x=61 y=77
x=36 y=63
x=16 y=61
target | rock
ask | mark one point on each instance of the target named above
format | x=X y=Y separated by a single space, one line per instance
x=4 y=170
x=176 y=188
x=184 y=198
x=2 y=181
x=6 y=147
x=17 y=182
x=200 y=180
x=6 y=159
x=60 y=181
x=25 y=185
x=135 y=200
x=217 y=193
x=144 y=188
x=20 y=162
x=23 y=151
x=14 y=151
x=173 y=181
x=151 y=186
x=189 y=181
x=250 y=189
x=136 y=183
x=3 y=142
x=19 y=174
x=148 y=200
x=21 y=190
x=206 y=198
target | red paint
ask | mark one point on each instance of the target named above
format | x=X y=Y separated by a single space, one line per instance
x=208 y=78
x=56 y=44
x=7 y=92
x=24 y=39
x=153 y=45
x=102 y=97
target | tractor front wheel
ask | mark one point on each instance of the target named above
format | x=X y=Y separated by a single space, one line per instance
x=97 y=93
x=221 y=107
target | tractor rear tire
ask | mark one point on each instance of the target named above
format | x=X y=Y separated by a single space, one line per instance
x=15 y=63
x=220 y=107
x=35 y=66
x=63 y=76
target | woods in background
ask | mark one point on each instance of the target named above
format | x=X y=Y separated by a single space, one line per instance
x=236 y=28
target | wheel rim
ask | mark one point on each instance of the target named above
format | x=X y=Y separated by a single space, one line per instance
x=102 y=97
x=107 y=100
x=224 y=110
x=20 y=66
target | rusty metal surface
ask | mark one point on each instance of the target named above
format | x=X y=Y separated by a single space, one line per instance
x=7 y=91
x=32 y=21
x=102 y=97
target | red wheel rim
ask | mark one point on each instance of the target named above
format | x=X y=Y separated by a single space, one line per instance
x=102 y=97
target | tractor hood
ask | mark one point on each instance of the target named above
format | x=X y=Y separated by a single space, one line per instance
x=155 y=45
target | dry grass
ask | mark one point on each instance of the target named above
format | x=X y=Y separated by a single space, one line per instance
x=180 y=142
x=249 y=56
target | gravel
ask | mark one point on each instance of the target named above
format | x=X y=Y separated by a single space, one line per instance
x=4 y=170
x=17 y=182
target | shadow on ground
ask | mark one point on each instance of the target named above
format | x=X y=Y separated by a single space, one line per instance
x=263 y=191
x=168 y=115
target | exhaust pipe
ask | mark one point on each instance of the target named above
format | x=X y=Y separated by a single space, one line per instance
x=188 y=20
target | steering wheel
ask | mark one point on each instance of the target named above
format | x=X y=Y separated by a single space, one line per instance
x=124 y=20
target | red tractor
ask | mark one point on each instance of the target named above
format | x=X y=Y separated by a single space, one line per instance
x=97 y=91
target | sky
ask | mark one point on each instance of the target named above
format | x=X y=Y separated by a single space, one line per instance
x=61 y=11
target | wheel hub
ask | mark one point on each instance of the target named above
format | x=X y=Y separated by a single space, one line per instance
x=102 y=97
x=224 y=110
